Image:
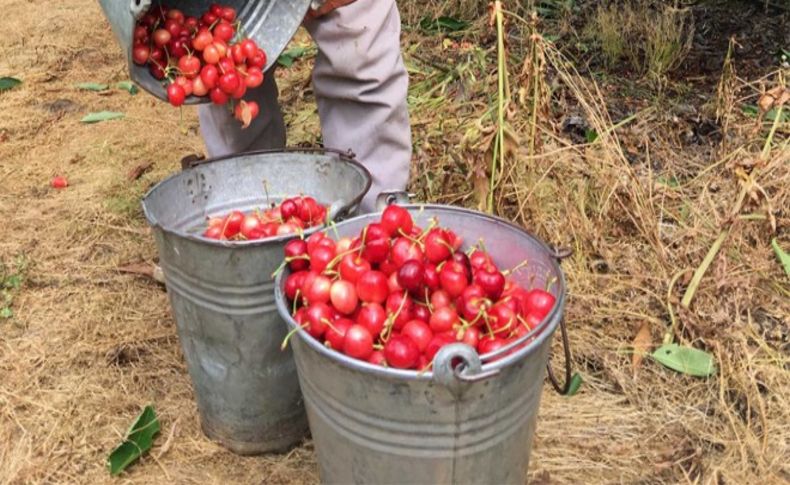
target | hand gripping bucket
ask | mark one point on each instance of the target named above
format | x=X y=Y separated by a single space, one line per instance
x=470 y=424
x=222 y=293
x=271 y=23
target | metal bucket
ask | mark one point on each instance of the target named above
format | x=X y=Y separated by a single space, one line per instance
x=222 y=294
x=471 y=424
x=271 y=23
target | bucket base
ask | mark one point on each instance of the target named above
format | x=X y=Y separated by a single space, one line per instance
x=247 y=448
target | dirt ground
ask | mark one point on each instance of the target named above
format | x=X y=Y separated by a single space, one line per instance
x=88 y=346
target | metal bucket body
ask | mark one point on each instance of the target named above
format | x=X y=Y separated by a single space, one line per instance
x=271 y=23
x=222 y=294
x=377 y=425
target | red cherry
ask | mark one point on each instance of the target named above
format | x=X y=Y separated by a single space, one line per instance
x=352 y=267
x=296 y=252
x=228 y=14
x=218 y=97
x=437 y=247
x=401 y=352
x=487 y=345
x=440 y=299
x=140 y=54
x=420 y=312
x=59 y=182
x=410 y=275
x=443 y=319
x=492 y=281
x=321 y=257
x=540 y=302
x=358 y=342
x=377 y=358
x=372 y=287
x=189 y=66
x=318 y=316
x=399 y=308
x=419 y=332
x=258 y=60
x=233 y=223
x=343 y=296
x=176 y=94
x=254 y=77
x=453 y=278
x=249 y=48
x=161 y=37
x=224 y=31
x=396 y=220
x=431 y=277
x=251 y=227
x=471 y=337
x=317 y=289
x=336 y=334
x=293 y=284
x=502 y=319
x=373 y=317
x=404 y=250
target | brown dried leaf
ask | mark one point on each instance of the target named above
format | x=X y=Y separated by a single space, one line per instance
x=481 y=186
x=145 y=269
x=139 y=170
x=766 y=102
x=246 y=114
x=642 y=344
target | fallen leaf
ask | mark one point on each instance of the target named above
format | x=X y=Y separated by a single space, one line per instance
x=139 y=170
x=139 y=440
x=92 y=86
x=687 y=360
x=246 y=114
x=784 y=258
x=102 y=116
x=7 y=83
x=127 y=86
x=642 y=343
x=576 y=384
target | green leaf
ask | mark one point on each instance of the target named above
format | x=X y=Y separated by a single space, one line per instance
x=128 y=86
x=784 y=258
x=139 y=440
x=443 y=24
x=13 y=281
x=6 y=312
x=7 y=83
x=92 y=86
x=288 y=57
x=576 y=383
x=753 y=111
x=687 y=360
x=590 y=135
x=669 y=181
x=102 y=116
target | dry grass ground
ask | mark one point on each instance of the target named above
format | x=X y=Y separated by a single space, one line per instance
x=88 y=346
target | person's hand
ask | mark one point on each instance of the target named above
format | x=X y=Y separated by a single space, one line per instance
x=327 y=7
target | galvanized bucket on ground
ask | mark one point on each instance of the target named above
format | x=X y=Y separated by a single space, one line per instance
x=271 y=23
x=472 y=424
x=222 y=293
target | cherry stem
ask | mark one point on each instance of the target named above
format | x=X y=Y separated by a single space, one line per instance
x=296 y=300
x=329 y=324
x=284 y=345
x=391 y=320
x=517 y=267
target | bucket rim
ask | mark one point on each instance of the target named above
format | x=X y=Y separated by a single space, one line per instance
x=341 y=156
x=533 y=339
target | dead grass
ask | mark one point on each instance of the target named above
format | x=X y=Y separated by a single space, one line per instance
x=89 y=347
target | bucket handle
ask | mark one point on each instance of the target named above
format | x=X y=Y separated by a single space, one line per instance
x=453 y=377
x=193 y=161
x=560 y=254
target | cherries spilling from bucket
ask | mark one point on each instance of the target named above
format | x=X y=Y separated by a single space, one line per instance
x=291 y=216
x=206 y=56
x=397 y=293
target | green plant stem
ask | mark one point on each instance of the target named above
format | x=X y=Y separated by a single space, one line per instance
x=703 y=268
x=499 y=146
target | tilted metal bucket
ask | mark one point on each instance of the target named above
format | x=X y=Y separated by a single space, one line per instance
x=271 y=23
x=471 y=424
x=222 y=293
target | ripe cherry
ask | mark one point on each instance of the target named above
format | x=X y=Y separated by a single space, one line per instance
x=293 y=284
x=189 y=66
x=437 y=247
x=372 y=287
x=224 y=31
x=404 y=250
x=352 y=267
x=233 y=224
x=218 y=97
x=319 y=316
x=491 y=280
x=317 y=289
x=229 y=82
x=296 y=252
x=258 y=60
x=410 y=275
x=396 y=220
x=59 y=182
x=161 y=37
x=140 y=54
x=251 y=227
x=420 y=312
x=401 y=352
x=443 y=319
x=419 y=332
x=336 y=334
x=211 y=54
x=176 y=94
x=437 y=342
x=358 y=342
x=254 y=77
x=377 y=358
x=343 y=296
x=399 y=307
x=373 y=317
x=539 y=302
x=453 y=278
